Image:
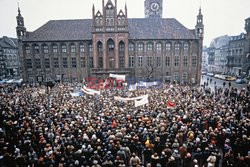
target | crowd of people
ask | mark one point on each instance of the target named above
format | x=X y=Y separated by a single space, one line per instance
x=40 y=127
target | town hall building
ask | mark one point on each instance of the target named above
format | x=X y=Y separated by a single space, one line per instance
x=144 y=48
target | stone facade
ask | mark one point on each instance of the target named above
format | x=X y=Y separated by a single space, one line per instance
x=110 y=42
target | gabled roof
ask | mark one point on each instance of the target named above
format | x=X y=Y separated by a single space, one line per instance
x=139 y=28
x=7 y=42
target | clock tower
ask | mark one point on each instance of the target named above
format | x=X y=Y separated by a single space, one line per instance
x=153 y=8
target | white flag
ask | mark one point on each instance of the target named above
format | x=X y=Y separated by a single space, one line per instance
x=142 y=101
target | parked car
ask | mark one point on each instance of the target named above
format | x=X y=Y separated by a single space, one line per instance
x=240 y=81
x=210 y=74
x=203 y=72
x=230 y=78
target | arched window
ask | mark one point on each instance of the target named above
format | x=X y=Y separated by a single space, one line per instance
x=131 y=47
x=186 y=47
x=36 y=49
x=121 y=54
x=64 y=48
x=140 y=47
x=82 y=48
x=158 y=47
x=168 y=46
x=149 y=47
x=27 y=49
x=99 y=51
x=45 y=49
x=54 y=48
x=73 y=48
x=177 y=48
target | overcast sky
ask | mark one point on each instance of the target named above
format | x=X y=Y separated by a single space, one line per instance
x=221 y=17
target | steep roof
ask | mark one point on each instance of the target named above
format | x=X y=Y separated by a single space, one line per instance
x=7 y=42
x=139 y=28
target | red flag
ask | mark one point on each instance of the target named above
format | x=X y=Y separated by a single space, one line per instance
x=171 y=104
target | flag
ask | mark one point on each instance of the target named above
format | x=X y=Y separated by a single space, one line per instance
x=171 y=104
x=142 y=101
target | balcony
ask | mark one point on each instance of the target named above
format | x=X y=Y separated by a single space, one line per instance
x=116 y=71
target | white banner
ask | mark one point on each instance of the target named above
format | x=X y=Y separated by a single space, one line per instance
x=129 y=99
x=142 y=101
x=91 y=90
x=119 y=77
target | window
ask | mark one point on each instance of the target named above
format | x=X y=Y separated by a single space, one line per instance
x=158 y=46
x=131 y=47
x=27 y=49
x=131 y=61
x=82 y=62
x=82 y=48
x=111 y=45
x=36 y=49
x=121 y=47
x=37 y=63
x=140 y=61
x=73 y=61
x=45 y=49
x=186 y=47
x=73 y=48
x=149 y=47
x=28 y=63
x=194 y=61
x=65 y=62
x=140 y=47
x=91 y=62
x=167 y=61
x=177 y=47
x=56 y=63
x=121 y=61
x=184 y=77
x=176 y=61
x=46 y=63
x=150 y=61
x=168 y=46
x=100 y=62
x=54 y=48
x=99 y=47
x=64 y=48
x=185 y=61
x=90 y=48
x=176 y=76
x=158 y=61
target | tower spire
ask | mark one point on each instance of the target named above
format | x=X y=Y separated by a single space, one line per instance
x=126 y=10
x=19 y=11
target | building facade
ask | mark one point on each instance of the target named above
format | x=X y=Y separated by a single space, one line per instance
x=9 y=59
x=204 y=66
x=110 y=42
x=238 y=59
x=217 y=55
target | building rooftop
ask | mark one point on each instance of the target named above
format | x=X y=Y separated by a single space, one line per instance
x=139 y=28
x=6 y=42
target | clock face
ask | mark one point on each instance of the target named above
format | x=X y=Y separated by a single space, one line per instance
x=155 y=6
